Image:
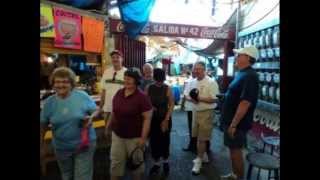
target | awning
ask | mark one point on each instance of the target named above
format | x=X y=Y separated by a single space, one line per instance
x=217 y=45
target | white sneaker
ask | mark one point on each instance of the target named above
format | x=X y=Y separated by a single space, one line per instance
x=205 y=158
x=230 y=176
x=197 y=164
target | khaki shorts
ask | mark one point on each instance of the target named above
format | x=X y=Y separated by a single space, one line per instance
x=121 y=149
x=203 y=124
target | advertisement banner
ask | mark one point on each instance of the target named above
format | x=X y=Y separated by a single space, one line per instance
x=93 y=34
x=67 y=28
x=175 y=30
x=46 y=21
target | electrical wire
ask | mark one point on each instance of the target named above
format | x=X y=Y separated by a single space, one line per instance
x=248 y=12
x=261 y=17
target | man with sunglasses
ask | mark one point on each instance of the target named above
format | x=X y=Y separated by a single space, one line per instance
x=111 y=81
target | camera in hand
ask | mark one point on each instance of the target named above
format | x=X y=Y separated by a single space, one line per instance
x=194 y=93
x=220 y=96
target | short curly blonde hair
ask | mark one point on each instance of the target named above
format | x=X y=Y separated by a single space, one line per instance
x=64 y=72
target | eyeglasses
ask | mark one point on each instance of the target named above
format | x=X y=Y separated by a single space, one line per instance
x=62 y=82
x=114 y=76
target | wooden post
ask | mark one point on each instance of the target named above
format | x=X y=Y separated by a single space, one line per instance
x=105 y=58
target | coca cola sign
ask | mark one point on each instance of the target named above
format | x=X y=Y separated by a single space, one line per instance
x=221 y=33
x=176 y=30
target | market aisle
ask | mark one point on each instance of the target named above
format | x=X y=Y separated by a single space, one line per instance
x=180 y=161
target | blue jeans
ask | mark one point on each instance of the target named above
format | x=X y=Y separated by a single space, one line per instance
x=78 y=166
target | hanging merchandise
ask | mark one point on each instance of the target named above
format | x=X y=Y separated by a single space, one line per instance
x=240 y=43
x=268 y=38
x=251 y=39
x=257 y=39
x=276 y=37
x=278 y=95
x=68 y=29
x=93 y=33
x=135 y=15
x=46 y=21
x=262 y=39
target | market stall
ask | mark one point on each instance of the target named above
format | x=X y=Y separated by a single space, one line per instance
x=74 y=38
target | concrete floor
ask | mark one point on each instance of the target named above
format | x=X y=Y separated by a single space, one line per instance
x=180 y=161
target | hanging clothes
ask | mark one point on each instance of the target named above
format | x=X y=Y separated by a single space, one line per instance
x=135 y=15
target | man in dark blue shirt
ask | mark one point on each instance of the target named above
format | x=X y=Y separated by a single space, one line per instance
x=238 y=108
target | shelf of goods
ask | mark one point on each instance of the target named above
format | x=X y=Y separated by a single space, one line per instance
x=267 y=40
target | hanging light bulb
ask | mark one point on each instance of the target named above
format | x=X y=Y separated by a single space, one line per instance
x=49 y=60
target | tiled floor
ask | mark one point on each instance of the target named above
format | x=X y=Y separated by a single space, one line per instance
x=180 y=161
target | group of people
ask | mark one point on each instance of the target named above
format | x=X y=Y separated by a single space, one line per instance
x=138 y=112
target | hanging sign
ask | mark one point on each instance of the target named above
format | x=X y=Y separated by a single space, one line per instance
x=67 y=28
x=93 y=33
x=176 y=30
x=46 y=21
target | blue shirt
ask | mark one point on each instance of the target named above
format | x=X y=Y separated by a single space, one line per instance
x=65 y=116
x=245 y=86
x=144 y=83
x=176 y=93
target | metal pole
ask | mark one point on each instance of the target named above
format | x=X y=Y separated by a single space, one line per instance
x=237 y=25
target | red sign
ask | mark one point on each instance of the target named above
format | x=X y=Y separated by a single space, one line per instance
x=176 y=30
x=67 y=28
